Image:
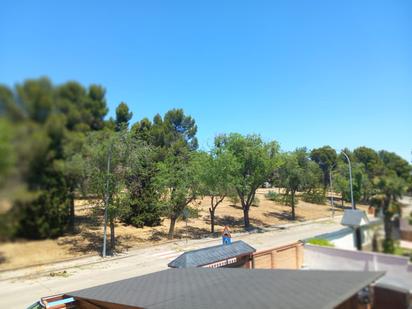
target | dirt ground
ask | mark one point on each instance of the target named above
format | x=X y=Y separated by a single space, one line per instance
x=88 y=238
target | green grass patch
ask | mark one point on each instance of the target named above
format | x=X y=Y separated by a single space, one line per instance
x=403 y=252
x=320 y=242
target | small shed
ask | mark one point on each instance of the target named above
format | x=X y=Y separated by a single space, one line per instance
x=236 y=254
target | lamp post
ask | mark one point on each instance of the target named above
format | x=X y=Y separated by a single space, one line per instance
x=358 y=236
x=331 y=193
x=106 y=201
x=350 y=180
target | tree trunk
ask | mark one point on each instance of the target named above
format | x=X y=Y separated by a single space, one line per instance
x=387 y=219
x=71 y=212
x=212 y=220
x=172 y=227
x=112 y=237
x=387 y=226
x=246 y=217
x=293 y=205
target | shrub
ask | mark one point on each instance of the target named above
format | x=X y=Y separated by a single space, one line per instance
x=388 y=246
x=285 y=199
x=272 y=196
x=256 y=201
x=234 y=199
x=320 y=242
x=315 y=197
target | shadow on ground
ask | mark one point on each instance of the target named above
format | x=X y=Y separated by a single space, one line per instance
x=284 y=215
x=90 y=240
x=2 y=258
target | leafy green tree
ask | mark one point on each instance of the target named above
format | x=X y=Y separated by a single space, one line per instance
x=174 y=135
x=390 y=187
x=45 y=120
x=397 y=164
x=140 y=183
x=341 y=181
x=297 y=173
x=123 y=116
x=255 y=161
x=142 y=130
x=326 y=158
x=7 y=157
x=178 y=181
x=216 y=179
x=73 y=167
x=107 y=155
x=369 y=158
x=174 y=128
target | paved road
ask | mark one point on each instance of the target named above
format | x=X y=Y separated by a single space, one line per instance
x=17 y=292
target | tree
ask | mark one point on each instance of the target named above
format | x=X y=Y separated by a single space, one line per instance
x=255 y=163
x=396 y=164
x=369 y=158
x=7 y=157
x=167 y=137
x=140 y=184
x=326 y=158
x=107 y=155
x=216 y=179
x=297 y=173
x=177 y=180
x=123 y=116
x=46 y=120
x=73 y=167
x=174 y=128
x=390 y=187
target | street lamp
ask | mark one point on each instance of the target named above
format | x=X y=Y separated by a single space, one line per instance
x=358 y=236
x=350 y=180
x=106 y=201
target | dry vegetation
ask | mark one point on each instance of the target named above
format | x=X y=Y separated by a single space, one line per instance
x=88 y=239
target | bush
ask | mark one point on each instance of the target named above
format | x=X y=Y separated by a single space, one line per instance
x=320 y=242
x=284 y=199
x=256 y=201
x=388 y=246
x=191 y=212
x=315 y=197
x=234 y=199
x=272 y=196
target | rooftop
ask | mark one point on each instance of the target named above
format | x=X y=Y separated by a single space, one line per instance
x=205 y=256
x=205 y=288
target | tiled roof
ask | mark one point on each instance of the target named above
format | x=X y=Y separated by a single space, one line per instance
x=205 y=256
x=204 y=288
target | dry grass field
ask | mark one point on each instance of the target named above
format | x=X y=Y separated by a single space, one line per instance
x=88 y=238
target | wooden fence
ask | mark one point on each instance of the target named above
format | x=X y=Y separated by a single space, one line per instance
x=286 y=257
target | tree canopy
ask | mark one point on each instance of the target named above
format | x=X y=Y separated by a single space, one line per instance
x=56 y=142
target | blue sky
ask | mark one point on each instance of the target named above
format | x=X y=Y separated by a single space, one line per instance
x=305 y=73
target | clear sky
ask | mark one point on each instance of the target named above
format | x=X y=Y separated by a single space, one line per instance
x=306 y=73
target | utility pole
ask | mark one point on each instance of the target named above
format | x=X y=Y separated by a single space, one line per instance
x=106 y=200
